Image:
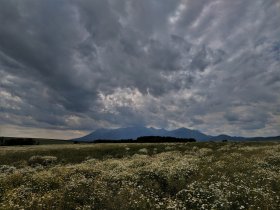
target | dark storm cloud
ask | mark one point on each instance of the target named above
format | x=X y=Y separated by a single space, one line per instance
x=38 y=35
x=210 y=65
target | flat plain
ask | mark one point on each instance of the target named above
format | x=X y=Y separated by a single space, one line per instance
x=209 y=175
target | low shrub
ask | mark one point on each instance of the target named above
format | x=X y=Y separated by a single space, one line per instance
x=42 y=160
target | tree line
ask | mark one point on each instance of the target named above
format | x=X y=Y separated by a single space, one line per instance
x=145 y=139
x=12 y=141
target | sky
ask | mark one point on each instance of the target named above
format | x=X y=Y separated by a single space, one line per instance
x=68 y=67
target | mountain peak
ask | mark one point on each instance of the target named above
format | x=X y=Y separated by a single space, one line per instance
x=182 y=129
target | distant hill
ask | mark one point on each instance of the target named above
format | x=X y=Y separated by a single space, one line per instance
x=272 y=138
x=136 y=132
x=227 y=137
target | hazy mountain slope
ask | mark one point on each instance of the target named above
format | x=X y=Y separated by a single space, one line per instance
x=134 y=132
x=188 y=133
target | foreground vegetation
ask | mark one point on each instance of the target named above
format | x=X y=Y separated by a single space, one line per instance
x=141 y=176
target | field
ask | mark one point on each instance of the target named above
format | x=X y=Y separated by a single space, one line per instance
x=141 y=176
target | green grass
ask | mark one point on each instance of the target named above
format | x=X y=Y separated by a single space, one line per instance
x=244 y=175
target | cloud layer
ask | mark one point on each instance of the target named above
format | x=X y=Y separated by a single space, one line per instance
x=81 y=65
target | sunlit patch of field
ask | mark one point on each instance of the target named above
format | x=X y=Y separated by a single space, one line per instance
x=141 y=176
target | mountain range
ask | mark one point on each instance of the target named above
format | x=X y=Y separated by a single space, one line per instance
x=135 y=132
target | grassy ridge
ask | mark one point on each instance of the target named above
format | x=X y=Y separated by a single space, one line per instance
x=141 y=176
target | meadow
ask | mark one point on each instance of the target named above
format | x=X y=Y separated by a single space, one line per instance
x=209 y=175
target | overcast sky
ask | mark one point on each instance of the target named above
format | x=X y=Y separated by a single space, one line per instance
x=69 y=67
